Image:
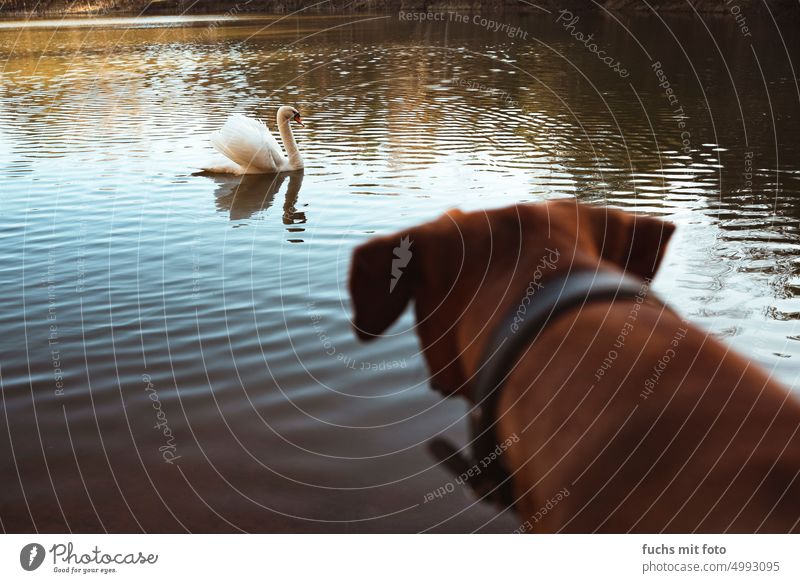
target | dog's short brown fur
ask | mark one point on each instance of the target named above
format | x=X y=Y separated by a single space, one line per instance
x=711 y=445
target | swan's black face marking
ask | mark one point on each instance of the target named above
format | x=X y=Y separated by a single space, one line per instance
x=296 y=117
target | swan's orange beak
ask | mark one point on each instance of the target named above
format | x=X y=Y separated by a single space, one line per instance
x=299 y=120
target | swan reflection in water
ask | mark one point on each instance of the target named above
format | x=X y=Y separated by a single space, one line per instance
x=243 y=197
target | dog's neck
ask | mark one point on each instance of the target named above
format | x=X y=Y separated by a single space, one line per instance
x=500 y=296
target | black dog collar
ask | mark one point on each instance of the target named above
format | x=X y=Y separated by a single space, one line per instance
x=486 y=471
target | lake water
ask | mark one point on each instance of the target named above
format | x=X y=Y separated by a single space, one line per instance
x=176 y=352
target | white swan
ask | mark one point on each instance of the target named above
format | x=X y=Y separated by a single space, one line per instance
x=251 y=149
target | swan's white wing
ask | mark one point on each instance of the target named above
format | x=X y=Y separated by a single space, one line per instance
x=222 y=165
x=249 y=143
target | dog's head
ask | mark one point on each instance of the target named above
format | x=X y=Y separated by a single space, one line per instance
x=464 y=270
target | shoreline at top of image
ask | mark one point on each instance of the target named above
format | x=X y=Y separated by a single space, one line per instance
x=179 y=8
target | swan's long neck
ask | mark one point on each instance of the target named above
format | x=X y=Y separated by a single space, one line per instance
x=287 y=137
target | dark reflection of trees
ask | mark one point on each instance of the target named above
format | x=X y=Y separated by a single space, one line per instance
x=244 y=197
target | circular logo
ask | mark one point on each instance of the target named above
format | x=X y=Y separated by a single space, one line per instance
x=31 y=556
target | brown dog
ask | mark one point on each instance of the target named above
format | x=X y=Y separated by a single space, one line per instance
x=626 y=418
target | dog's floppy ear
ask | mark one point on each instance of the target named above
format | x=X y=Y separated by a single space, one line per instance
x=634 y=242
x=382 y=279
